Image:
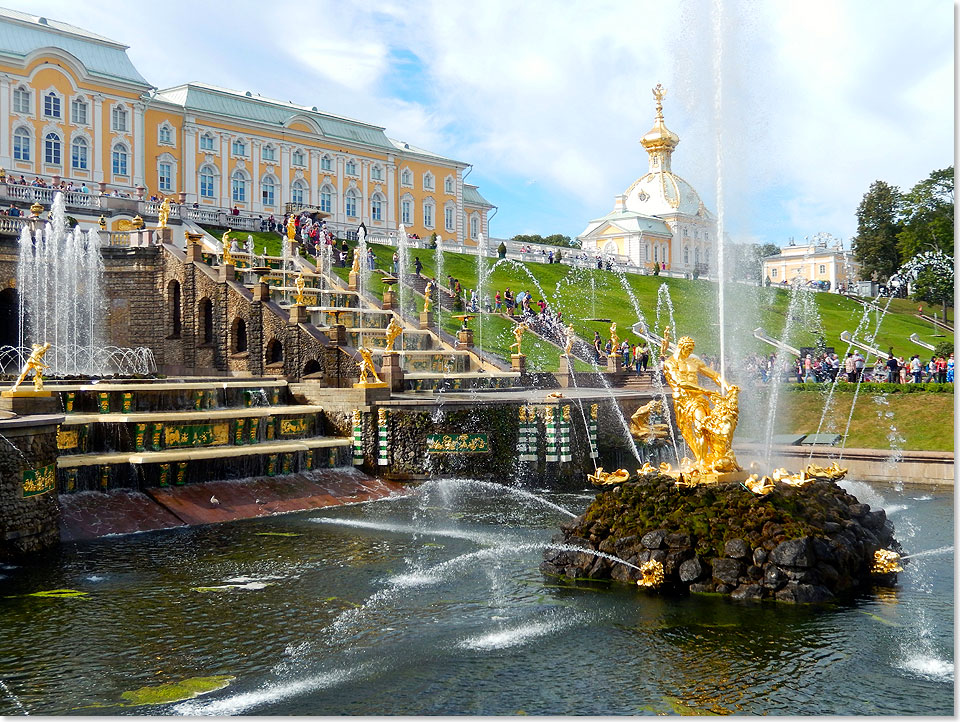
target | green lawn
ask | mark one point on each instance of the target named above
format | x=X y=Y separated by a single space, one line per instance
x=272 y=241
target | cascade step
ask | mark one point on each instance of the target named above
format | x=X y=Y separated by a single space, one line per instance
x=153 y=416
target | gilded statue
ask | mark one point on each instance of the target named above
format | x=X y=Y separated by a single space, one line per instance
x=34 y=364
x=366 y=367
x=163 y=213
x=394 y=329
x=640 y=425
x=292 y=228
x=300 y=283
x=707 y=430
x=356 y=260
x=518 y=332
x=427 y=292
x=225 y=242
x=570 y=336
x=614 y=339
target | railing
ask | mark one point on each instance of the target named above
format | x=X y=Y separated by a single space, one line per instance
x=12 y=225
x=35 y=194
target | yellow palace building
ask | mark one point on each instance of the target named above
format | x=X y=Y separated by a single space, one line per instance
x=73 y=107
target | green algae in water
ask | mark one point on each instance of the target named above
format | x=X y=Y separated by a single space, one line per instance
x=277 y=533
x=58 y=594
x=231 y=587
x=175 y=691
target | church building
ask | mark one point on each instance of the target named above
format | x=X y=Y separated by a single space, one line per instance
x=660 y=218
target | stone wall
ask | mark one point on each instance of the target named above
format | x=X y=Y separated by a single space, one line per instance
x=27 y=523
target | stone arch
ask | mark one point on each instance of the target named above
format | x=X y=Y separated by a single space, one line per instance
x=312 y=368
x=174 y=312
x=205 y=320
x=238 y=335
x=274 y=353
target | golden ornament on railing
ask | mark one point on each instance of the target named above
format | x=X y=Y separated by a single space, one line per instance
x=36 y=209
x=357 y=417
x=604 y=478
x=652 y=574
x=885 y=562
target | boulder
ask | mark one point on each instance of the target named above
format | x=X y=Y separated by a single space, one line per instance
x=692 y=570
x=678 y=540
x=736 y=549
x=760 y=556
x=803 y=593
x=858 y=510
x=726 y=570
x=653 y=539
x=794 y=553
x=747 y=591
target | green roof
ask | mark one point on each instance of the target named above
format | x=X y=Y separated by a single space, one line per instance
x=247 y=106
x=471 y=196
x=21 y=34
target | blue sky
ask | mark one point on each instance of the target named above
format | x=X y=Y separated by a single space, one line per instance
x=805 y=104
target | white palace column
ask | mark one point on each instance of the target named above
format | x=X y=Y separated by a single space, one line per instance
x=312 y=197
x=284 y=190
x=364 y=191
x=98 y=138
x=140 y=145
x=5 y=159
x=256 y=197
x=188 y=150
x=392 y=200
x=463 y=232
x=340 y=210
x=226 y=200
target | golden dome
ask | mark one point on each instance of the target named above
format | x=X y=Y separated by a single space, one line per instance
x=659 y=138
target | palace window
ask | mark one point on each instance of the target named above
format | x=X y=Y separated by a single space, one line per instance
x=51 y=105
x=428 y=181
x=239 y=148
x=686 y=256
x=297 y=158
x=268 y=191
x=21 y=144
x=351 y=203
x=78 y=154
x=376 y=173
x=165 y=176
x=269 y=153
x=238 y=187
x=296 y=192
x=206 y=141
x=21 y=100
x=773 y=273
x=448 y=185
x=351 y=168
x=406 y=178
x=376 y=207
x=51 y=149
x=448 y=218
x=165 y=135
x=474 y=227
x=119 y=116
x=206 y=182
x=406 y=211
x=428 y=215
x=326 y=163
x=823 y=269
x=78 y=111
x=119 y=158
x=326 y=199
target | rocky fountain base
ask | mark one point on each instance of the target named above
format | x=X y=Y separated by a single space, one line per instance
x=807 y=543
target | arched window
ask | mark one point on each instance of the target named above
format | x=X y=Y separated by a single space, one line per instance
x=449 y=215
x=205 y=318
x=51 y=149
x=120 y=155
x=119 y=116
x=297 y=191
x=268 y=190
x=428 y=209
x=238 y=184
x=326 y=199
x=351 y=200
x=376 y=173
x=207 y=141
x=51 y=105
x=326 y=163
x=165 y=135
x=406 y=177
x=78 y=111
x=274 y=352
x=448 y=185
x=21 y=100
x=351 y=168
x=173 y=299
x=21 y=144
x=298 y=158
x=406 y=210
x=78 y=154
x=428 y=181
x=207 y=181
x=269 y=152
x=239 y=339
x=656 y=253
x=686 y=256
x=376 y=207
x=474 y=227
x=239 y=147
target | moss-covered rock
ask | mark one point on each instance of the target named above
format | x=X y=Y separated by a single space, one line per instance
x=799 y=544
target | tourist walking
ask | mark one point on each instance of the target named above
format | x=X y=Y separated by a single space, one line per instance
x=417 y=266
x=850 y=368
x=893 y=370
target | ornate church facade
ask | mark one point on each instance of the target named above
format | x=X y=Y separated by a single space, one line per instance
x=660 y=218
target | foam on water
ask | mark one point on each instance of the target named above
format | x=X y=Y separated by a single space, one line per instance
x=478 y=537
x=522 y=493
x=518 y=635
x=929 y=667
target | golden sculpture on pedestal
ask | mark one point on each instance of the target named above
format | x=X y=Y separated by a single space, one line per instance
x=608 y=478
x=570 y=335
x=292 y=228
x=427 y=292
x=518 y=332
x=33 y=363
x=614 y=339
x=163 y=213
x=367 y=368
x=393 y=330
x=707 y=430
x=651 y=574
x=300 y=283
x=225 y=242
x=640 y=426
x=355 y=268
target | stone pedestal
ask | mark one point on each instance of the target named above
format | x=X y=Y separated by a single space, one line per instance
x=465 y=338
x=194 y=253
x=391 y=371
x=338 y=335
x=293 y=247
x=518 y=362
x=164 y=235
x=261 y=292
x=27 y=402
x=565 y=371
x=389 y=299
x=371 y=393
x=353 y=280
x=228 y=272
x=426 y=320
x=614 y=363
x=298 y=314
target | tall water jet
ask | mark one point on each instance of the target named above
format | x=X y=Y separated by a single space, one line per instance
x=60 y=278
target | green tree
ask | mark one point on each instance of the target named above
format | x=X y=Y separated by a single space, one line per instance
x=878 y=223
x=928 y=216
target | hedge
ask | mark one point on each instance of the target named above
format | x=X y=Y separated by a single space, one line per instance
x=876 y=388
